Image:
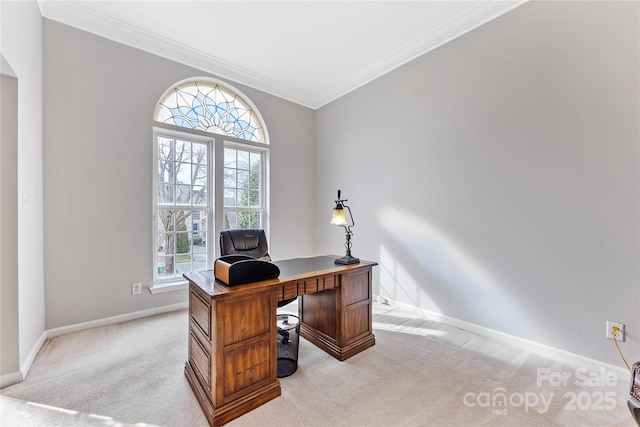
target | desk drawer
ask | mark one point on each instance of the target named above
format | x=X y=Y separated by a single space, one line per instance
x=247 y=316
x=356 y=287
x=328 y=282
x=357 y=320
x=310 y=285
x=200 y=360
x=200 y=311
x=289 y=290
x=247 y=365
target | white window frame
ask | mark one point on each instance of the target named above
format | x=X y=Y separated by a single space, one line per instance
x=264 y=152
x=215 y=193
x=187 y=136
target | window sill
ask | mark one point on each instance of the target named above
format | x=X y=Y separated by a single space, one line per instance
x=159 y=288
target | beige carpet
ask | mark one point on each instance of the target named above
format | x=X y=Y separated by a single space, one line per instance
x=419 y=373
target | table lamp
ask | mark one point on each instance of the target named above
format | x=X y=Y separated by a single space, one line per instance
x=339 y=218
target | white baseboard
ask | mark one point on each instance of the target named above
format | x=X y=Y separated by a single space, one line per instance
x=542 y=349
x=11 y=378
x=16 y=377
x=25 y=366
x=115 y=319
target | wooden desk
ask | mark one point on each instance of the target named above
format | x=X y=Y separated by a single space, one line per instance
x=232 y=330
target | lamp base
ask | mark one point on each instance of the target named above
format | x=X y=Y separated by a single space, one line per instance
x=347 y=260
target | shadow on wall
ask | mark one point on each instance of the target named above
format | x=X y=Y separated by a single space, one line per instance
x=422 y=266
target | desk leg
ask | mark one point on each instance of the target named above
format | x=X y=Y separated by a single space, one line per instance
x=339 y=320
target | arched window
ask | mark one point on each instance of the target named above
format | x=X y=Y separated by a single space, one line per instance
x=198 y=125
x=209 y=107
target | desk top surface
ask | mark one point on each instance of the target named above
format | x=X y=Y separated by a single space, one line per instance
x=290 y=269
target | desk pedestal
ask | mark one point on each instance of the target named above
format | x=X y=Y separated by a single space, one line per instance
x=231 y=349
x=339 y=320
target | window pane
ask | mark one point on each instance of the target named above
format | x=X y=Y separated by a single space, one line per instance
x=162 y=263
x=183 y=151
x=254 y=180
x=255 y=159
x=183 y=263
x=229 y=158
x=229 y=178
x=199 y=196
x=256 y=221
x=183 y=243
x=199 y=258
x=166 y=244
x=230 y=198
x=165 y=168
x=165 y=220
x=254 y=199
x=243 y=198
x=230 y=220
x=243 y=160
x=165 y=194
x=165 y=148
x=243 y=179
x=183 y=194
x=199 y=221
x=244 y=220
x=199 y=175
x=199 y=154
x=183 y=220
x=183 y=173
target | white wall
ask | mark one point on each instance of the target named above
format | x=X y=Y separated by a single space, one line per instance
x=99 y=98
x=496 y=178
x=22 y=49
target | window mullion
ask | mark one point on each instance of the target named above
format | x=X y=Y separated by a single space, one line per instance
x=218 y=185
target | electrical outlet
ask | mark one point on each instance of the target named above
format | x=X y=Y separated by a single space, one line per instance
x=136 y=288
x=383 y=300
x=619 y=333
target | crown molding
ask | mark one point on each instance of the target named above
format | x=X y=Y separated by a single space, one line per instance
x=76 y=15
x=467 y=20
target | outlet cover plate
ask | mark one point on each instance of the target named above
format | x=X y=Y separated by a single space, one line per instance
x=620 y=334
x=136 y=288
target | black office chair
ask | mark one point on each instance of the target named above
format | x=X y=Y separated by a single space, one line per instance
x=245 y=241
x=250 y=242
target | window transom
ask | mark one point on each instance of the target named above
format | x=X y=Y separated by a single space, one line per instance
x=212 y=108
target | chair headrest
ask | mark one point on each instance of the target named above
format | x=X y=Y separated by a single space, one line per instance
x=251 y=242
x=245 y=240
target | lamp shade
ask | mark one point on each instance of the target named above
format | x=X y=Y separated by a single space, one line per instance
x=338 y=217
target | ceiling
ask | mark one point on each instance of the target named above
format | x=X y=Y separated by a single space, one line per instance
x=309 y=52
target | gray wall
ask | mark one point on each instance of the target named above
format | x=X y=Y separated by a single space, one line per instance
x=21 y=29
x=10 y=357
x=99 y=98
x=496 y=178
